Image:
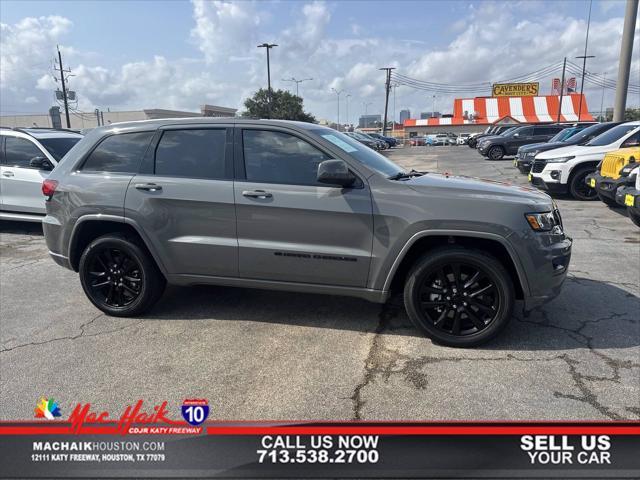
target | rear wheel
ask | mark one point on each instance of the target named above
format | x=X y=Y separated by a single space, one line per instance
x=119 y=276
x=495 y=153
x=577 y=186
x=459 y=297
x=472 y=143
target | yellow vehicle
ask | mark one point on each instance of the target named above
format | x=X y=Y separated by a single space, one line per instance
x=611 y=173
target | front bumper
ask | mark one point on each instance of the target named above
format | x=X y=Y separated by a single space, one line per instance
x=628 y=197
x=549 y=268
x=547 y=186
x=483 y=149
x=523 y=164
x=605 y=186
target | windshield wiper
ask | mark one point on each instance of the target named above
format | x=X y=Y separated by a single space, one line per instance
x=401 y=175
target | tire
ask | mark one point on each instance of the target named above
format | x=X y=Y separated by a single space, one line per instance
x=472 y=143
x=495 y=153
x=635 y=217
x=133 y=281
x=484 y=316
x=609 y=202
x=578 y=188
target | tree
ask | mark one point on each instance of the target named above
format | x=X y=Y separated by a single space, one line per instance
x=284 y=106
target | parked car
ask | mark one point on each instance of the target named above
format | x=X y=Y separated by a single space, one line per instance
x=497 y=147
x=489 y=131
x=564 y=169
x=390 y=141
x=27 y=155
x=439 y=139
x=577 y=135
x=296 y=206
x=369 y=142
x=380 y=144
x=417 y=141
x=612 y=172
x=463 y=138
x=629 y=196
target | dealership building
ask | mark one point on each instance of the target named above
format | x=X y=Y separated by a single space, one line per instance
x=475 y=114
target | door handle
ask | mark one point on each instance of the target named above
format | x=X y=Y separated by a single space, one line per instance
x=256 y=194
x=7 y=174
x=149 y=187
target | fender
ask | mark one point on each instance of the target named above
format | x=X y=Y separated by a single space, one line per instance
x=458 y=233
x=118 y=219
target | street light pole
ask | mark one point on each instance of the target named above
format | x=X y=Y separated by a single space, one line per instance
x=297 y=82
x=624 y=66
x=338 y=92
x=604 y=80
x=433 y=107
x=584 y=60
x=348 y=95
x=268 y=46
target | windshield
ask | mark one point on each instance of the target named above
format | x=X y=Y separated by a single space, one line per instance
x=610 y=136
x=58 y=147
x=561 y=135
x=590 y=132
x=360 y=152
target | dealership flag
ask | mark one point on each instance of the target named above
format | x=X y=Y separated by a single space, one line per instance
x=555 y=86
x=572 y=84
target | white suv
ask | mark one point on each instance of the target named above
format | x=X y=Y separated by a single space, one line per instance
x=564 y=169
x=27 y=155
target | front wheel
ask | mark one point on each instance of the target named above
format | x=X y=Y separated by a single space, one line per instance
x=577 y=186
x=119 y=276
x=459 y=297
x=495 y=153
x=634 y=216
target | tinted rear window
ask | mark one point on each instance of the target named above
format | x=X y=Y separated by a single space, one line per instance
x=119 y=153
x=610 y=136
x=192 y=153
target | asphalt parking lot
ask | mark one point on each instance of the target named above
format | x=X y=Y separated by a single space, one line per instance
x=274 y=355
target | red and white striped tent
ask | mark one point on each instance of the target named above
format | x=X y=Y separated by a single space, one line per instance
x=487 y=110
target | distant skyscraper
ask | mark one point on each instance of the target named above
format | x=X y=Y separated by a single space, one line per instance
x=425 y=115
x=368 y=121
x=404 y=115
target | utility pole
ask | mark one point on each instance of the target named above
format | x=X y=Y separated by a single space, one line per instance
x=348 y=95
x=64 y=88
x=433 y=107
x=338 y=92
x=584 y=60
x=564 y=67
x=393 y=125
x=297 y=82
x=626 y=48
x=604 y=79
x=268 y=47
x=387 y=87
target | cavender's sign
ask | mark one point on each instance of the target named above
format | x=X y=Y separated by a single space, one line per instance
x=515 y=89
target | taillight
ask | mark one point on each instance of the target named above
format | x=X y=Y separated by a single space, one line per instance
x=49 y=188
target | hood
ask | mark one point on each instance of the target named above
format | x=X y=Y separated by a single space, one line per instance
x=459 y=185
x=575 y=150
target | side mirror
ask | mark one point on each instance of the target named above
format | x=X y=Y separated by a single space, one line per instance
x=516 y=135
x=41 y=163
x=335 y=172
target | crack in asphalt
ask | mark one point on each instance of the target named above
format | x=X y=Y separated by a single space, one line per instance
x=72 y=337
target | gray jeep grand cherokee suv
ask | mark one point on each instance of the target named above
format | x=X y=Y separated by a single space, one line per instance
x=296 y=206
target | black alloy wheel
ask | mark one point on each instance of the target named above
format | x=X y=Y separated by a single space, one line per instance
x=459 y=297
x=578 y=187
x=119 y=276
x=115 y=277
x=496 y=153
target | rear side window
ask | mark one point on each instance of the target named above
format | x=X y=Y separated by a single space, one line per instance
x=119 y=153
x=632 y=141
x=192 y=153
x=276 y=157
x=20 y=151
x=546 y=130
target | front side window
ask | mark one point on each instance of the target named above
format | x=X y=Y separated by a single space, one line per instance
x=276 y=157
x=119 y=153
x=192 y=153
x=59 y=146
x=20 y=151
x=524 y=132
x=632 y=141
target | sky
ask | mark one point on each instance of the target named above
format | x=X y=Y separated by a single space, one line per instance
x=131 y=55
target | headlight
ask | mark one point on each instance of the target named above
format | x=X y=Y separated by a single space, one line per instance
x=559 y=159
x=542 y=222
x=627 y=169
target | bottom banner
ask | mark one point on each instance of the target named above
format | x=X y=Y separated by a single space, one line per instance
x=351 y=450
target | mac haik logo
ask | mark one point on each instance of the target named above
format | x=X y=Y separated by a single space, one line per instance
x=129 y=422
x=47 y=408
x=195 y=411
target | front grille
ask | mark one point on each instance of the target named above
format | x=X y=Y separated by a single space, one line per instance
x=538 y=166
